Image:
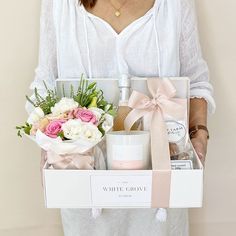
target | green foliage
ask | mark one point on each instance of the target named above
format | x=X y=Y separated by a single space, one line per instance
x=101 y=129
x=61 y=135
x=88 y=94
x=85 y=92
x=44 y=103
x=112 y=112
x=25 y=128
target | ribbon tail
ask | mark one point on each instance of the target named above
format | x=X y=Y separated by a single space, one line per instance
x=159 y=143
x=161 y=215
x=161 y=178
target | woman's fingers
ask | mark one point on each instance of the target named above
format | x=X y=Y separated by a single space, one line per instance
x=174 y=151
x=200 y=147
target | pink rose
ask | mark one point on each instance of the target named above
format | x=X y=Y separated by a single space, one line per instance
x=53 y=128
x=83 y=114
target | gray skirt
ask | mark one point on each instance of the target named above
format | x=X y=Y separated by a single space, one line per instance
x=124 y=222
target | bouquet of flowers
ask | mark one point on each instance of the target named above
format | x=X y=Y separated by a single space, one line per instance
x=69 y=128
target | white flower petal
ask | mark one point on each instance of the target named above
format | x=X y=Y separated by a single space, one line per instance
x=65 y=104
x=90 y=132
x=72 y=129
x=108 y=122
x=39 y=112
x=35 y=115
x=97 y=112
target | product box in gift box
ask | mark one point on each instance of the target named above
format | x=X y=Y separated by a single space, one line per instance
x=176 y=188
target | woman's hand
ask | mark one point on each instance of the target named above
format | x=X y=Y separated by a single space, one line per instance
x=198 y=116
x=199 y=142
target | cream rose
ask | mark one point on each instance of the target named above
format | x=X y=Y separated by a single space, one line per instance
x=64 y=105
x=108 y=122
x=97 y=112
x=72 y=129
x=90 y=132
x=76 y=129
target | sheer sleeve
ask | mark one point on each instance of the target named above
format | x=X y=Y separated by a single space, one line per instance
x=47 y=62
x=192 y=63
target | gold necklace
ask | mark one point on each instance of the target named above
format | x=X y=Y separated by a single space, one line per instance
x=117 y=10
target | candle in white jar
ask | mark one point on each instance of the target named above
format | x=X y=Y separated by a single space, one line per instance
x=128 y=150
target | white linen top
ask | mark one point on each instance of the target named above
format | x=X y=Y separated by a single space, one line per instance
x=163 y=42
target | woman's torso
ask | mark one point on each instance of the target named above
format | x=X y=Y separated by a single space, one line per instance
x=88 y=44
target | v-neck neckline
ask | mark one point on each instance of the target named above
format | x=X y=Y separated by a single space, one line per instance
x=108 y=25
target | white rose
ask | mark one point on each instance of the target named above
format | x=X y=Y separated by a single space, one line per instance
x=72 y=129
x=108 y=122
x=65 y=104
x=97 y=112
x=35 y=115
x=90 y=132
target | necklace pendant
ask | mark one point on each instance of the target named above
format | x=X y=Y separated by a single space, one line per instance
x=117 y=13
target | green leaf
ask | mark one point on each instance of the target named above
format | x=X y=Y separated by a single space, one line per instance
x=86 y=92
x=24 y=128
x=112 y=112
x=101 y=129
x=19 y=134
x=45 y=103
x=103 y=103
x=27 y=130
x=30 y=101
x=61 y=135
x=91 y=86
x=71 y=91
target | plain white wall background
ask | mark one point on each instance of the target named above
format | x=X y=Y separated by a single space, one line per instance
x=218 y=36
x=22 y=209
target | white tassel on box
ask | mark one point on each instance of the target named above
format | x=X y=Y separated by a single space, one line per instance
x=96 y=212
x=161 y=215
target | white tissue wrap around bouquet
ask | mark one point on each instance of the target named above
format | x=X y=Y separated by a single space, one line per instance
x=78 y=154
x=70 y=129
x=63 y=147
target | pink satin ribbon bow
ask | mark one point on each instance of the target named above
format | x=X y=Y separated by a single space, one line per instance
x=162 y=102
x=84 y=161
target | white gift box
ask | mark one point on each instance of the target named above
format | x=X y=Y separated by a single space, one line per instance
x=123 y=188
x=118 y=188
